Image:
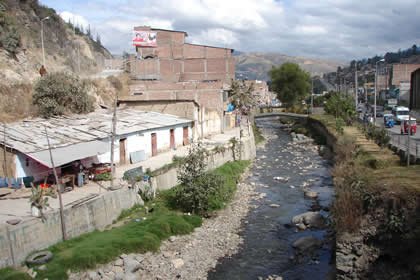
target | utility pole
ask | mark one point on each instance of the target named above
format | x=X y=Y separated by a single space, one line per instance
x=113 y=131
x=312 y=95
x=63 y=225
x=6 y=173
x=42 y=39
x=408 y=139
x=356 y=88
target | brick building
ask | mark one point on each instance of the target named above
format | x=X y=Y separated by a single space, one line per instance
x=261 y=93
x=415 y=90
x=400 y=78
x=186 y=80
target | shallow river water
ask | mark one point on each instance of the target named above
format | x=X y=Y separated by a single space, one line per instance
x=267 y=248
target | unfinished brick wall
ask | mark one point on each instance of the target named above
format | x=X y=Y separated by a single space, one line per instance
x=180 y=61
x=402 y=72
x=209 y=95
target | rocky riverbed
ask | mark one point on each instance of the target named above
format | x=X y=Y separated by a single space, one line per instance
x=262 y=221
x=185 y=257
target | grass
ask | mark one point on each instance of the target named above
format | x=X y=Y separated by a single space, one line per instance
x=89 y=250
x=367 y=177
x=13 y=274
x=257 y=134
x=230 y=173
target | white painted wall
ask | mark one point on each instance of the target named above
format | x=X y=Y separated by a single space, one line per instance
x=137 y=142
x=25 y=166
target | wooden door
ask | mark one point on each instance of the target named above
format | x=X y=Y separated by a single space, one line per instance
x=172 y=138
x=154 y=144
x=186 y=140
x=122 y=150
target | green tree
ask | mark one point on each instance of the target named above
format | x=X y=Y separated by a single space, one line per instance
x=61 y=93
x=290 y=83
x=341 y=107
x=240 y=95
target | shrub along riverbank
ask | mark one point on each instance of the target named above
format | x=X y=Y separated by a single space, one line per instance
x=139 y=232
x=376 y=208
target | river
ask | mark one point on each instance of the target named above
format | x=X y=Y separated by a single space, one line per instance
x=267 y=249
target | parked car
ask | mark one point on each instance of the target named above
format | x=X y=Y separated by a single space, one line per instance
x=406 y=128
x=379 y=112
x=389 y=120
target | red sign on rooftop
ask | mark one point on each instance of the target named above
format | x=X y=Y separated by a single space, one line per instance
x=144 y=38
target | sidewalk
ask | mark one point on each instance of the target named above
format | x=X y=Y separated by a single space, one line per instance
x=20 y=208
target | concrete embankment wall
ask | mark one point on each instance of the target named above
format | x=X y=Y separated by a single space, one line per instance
x=18 y=241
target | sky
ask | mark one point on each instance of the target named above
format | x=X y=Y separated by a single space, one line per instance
x=340 y=30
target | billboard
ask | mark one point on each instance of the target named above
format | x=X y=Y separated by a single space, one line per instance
x=144 y=38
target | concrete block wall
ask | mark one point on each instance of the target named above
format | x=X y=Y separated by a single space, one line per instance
x=18 y=241
x=169 y=179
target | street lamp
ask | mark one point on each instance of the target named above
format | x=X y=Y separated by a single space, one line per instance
x=42 y=39
x=312 y=95
x=376 y=74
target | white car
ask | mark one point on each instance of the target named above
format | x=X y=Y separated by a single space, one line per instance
x=401 y=113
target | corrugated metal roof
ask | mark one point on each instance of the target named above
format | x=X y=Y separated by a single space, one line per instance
x=28 y=136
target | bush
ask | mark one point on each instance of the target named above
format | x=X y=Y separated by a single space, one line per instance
x=61 y=93
x=196 y=198
x=10 y=40
x=197 y=187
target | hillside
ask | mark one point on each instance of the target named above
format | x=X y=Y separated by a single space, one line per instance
x=256 y=65
x=21 y=53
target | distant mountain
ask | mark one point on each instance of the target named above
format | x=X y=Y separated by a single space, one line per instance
x=254 y=66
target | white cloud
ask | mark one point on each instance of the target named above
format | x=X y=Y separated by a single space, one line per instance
x=219 y=37
x=332 y=29
x=78 y=20
x=311 y=30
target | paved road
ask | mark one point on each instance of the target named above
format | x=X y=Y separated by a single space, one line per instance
x=397 y=139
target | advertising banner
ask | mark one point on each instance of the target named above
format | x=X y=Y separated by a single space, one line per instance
x=144 y=38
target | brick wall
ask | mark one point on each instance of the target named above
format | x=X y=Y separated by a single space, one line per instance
x=180 y=61
x=402 y=72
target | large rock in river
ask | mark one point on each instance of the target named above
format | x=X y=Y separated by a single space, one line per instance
x=310 y=219
x=307 y=243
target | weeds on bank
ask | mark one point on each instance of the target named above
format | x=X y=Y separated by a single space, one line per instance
x=12 y=274
x=141 y=232
x=229 y=174
x=367 y=179
x=258 y=137
x=136 y=235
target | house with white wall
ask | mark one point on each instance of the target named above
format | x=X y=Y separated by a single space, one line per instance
x=87 y=138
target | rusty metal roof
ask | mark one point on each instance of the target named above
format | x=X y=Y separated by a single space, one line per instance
x=28 y=136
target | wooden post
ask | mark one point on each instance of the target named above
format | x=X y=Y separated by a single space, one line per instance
x=63 y=225
x=113 y=131
x=6 y=173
